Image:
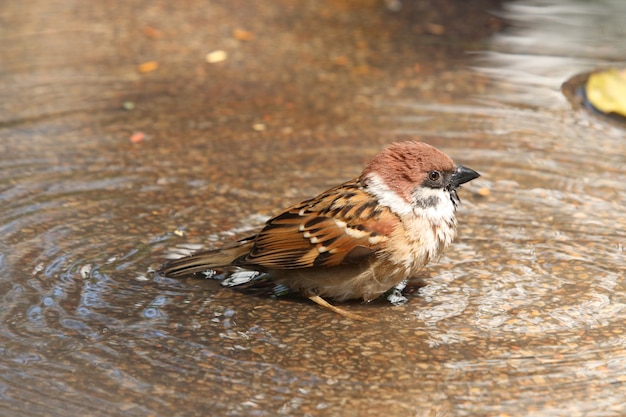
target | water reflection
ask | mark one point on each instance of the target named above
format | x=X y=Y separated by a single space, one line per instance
x=548 y=43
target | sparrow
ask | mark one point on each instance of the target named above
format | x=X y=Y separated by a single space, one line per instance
x=354 y=241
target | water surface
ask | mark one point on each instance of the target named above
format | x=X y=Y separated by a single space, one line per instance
x=523 y=315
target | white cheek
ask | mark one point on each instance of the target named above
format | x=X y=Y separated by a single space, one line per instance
x=387 y=197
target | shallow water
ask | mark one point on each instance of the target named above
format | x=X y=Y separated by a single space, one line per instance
x=523 y=315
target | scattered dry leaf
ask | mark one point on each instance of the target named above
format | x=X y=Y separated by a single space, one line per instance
x=341 y=61
x=243 y=35
x=361 y=70
x=147 y=66
x=435 y=29
x=151 y=32
x=484 y=191
x=137 y=137
x=216 y=56
x=606 y=91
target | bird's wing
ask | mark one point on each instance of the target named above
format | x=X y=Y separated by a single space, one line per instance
x=341 y=226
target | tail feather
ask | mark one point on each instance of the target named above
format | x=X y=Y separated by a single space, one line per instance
x=202 y=261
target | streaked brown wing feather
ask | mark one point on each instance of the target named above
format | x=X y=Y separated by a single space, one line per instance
x=340 y=226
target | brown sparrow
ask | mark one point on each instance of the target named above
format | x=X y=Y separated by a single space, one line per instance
x=357 y=240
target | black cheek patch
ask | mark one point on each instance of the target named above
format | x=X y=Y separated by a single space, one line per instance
x=428 y=202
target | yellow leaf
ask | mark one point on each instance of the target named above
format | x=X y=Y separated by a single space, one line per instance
x=606 y=91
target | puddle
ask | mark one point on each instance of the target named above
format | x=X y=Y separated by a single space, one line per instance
x=523 y=315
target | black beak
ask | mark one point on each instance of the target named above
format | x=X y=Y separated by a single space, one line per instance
x=462 y=175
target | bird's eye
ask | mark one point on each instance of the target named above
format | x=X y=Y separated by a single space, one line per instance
x=434 y=175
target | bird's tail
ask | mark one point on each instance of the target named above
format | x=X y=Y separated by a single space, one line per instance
x=202 y=261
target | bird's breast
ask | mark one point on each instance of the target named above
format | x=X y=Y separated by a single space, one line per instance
x=418 y=239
